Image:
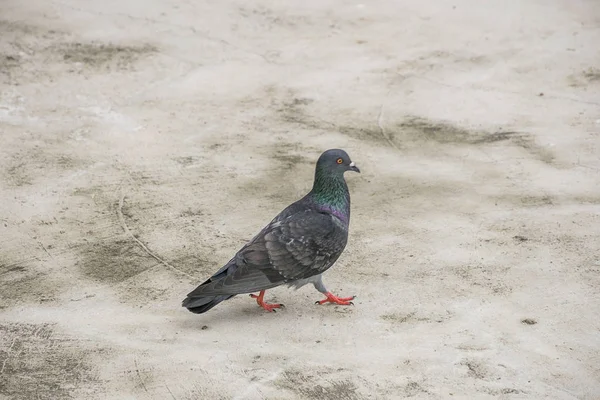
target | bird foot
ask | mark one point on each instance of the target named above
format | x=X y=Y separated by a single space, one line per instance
x=266 y=306
x=343 y=301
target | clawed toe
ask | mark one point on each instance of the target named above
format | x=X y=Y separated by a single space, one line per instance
x=342 y=301
x=271 y=307
x=266 y=306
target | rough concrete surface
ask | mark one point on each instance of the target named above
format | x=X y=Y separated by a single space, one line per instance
x=142 y=142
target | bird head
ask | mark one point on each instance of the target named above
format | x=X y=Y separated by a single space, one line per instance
x=336 y=161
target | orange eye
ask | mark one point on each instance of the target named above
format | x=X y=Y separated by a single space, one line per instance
x=339 y=161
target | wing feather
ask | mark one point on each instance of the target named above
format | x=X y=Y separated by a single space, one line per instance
x=294 y=246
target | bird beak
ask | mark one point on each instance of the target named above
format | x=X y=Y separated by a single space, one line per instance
x=354 y=168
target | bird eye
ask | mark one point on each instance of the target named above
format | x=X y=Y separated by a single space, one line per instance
x=339 y=161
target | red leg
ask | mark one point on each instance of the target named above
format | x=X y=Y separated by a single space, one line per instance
x=266 y=306
x=344 y=301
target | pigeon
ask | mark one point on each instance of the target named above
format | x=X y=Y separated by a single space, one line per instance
x=294 y=249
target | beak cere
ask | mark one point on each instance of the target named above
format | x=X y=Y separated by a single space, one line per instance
x=354 y=168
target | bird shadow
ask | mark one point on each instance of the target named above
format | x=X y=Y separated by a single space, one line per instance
x=247 y=314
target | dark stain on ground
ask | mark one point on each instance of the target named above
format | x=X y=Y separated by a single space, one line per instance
x=586 y=199
x=416 y=128
x=503 y=391
x=312 y=387
x=186 y=161
x=366 y=134
x=413 y=388
x=16 y=174
x=421 y=129
x=536 y=201
x=40 y=46
x=413 y=131
x=191 y=213
x=296 y=102
x=117 y=259
x=66 y=162
x=98 y=55
x=36 y=363
x=292 y=108
x=583 y=79
x=475 y=369
x=528 y=321
x=497 y=137
x=7 y=269
x=113 y=260
x=8 y=62
x=292 y=112
x=525 y=201
x=14 y=26
x=400 y=318
x=21 y=282
x=26 y=40
x=592 y=74
x=27 y=163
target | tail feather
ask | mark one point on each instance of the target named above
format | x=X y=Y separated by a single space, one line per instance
x=199 y=305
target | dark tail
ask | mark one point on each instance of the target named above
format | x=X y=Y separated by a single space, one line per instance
x=199 y=305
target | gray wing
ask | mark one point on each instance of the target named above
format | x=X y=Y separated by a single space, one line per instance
x=298 y=246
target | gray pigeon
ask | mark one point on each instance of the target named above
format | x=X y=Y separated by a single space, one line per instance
x=297 y=246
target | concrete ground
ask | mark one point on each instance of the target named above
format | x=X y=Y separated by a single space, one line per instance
x=142 y=142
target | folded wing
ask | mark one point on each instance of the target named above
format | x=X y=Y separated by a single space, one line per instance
x=298 y=246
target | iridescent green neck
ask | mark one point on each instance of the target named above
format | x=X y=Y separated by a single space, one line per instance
x=330 y=190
